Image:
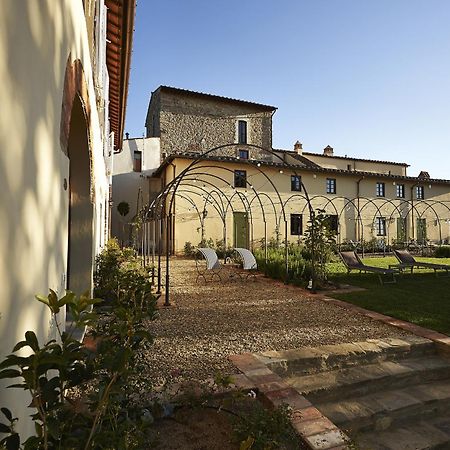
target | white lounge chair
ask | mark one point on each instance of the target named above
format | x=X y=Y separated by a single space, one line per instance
x=213 y=265
x=248 y=260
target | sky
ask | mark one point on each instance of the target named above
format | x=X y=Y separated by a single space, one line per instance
x=371 y=78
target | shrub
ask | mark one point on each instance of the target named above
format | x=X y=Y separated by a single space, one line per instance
x=118 y=273
x=442 y=252
x=188 y=250
x=82 y=394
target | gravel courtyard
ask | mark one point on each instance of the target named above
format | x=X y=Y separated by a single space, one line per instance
x=207 y=323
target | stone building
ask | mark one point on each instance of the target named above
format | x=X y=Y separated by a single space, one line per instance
x=187 y=121
x=366 y=199
x=64 y=74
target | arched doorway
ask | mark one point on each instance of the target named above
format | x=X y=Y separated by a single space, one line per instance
x=81 y=210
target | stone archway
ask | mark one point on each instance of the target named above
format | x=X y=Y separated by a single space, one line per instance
x=81 y=209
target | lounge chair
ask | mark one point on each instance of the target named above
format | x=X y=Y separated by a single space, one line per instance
x=407 y=261
x=352 y=262
x=213 y=265
x=249 y=263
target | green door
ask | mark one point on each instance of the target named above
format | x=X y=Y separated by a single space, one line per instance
x=240 y=229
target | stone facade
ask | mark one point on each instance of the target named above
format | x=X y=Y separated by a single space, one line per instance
x=191 y=122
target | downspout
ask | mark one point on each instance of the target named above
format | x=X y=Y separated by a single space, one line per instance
x=412 y=210
x=358 y=228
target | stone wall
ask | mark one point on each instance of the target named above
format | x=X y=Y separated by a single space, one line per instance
x=189 y=123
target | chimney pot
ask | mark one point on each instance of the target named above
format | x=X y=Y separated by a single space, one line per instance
x=127 y=135
x=328 y=151
x=298 y=147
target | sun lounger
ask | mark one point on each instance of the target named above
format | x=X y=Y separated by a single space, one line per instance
x=407 y=261
x=352 y=262
x=212 y=267
x=249 y=263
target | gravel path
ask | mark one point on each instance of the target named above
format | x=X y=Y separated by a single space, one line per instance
x=207 y=323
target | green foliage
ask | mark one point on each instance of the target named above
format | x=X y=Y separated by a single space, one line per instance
x=189 y=249
x=263 y=429
x=442 y=252
x=299 y=268
x=120 y=276
x=320 y=240
x=82 y=393
x=123 y=208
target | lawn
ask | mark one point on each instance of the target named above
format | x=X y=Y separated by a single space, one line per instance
x=420 y=298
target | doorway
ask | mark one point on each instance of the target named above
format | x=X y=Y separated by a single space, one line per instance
x=240 y=229
x=81 y=211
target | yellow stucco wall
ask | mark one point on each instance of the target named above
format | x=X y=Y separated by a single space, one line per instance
x=210 y=176
x=36 y=39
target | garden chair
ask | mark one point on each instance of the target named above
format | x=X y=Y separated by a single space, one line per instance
x=249 y=263
x=212 y=267
x=407 y=261
x=353 y=262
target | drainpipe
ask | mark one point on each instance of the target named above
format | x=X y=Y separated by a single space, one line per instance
x=358 y=221
x=412 y=209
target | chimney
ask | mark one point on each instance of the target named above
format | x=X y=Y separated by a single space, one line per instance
x=127 y=135
x=424 y=175
x=298 y=148
x=328 y=151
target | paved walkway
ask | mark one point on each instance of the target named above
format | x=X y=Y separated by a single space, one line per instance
x=207 y=323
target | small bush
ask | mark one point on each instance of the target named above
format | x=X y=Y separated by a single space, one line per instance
x=188 y=250
x=119 y=272
x=442 y=252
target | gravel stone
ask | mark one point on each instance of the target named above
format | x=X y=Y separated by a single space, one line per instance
x=209 y=322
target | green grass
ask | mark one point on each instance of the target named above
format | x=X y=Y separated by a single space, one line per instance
x=420 y=298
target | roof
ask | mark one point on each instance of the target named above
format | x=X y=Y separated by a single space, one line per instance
x=187 y=92
x=118 y=58
x=300 y=167
x=356 y=159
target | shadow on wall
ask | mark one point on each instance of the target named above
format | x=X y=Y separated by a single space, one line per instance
x=35 y=41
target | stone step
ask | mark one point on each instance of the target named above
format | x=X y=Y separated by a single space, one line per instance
x=381 y=410
x=362 y=380
x=434 y=434
x=311 y=360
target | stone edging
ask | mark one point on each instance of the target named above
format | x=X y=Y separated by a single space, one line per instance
x=441 y=340
x=316 y=431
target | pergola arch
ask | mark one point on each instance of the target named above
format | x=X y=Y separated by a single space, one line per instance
x=169 y=193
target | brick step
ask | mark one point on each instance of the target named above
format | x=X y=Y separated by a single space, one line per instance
x=361 y=380
x=434 y=434
x=381 y=410
x=311 y=360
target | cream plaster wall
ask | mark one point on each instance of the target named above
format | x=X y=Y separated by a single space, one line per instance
x=331 y=162
x=209 y=176
x=36 y=39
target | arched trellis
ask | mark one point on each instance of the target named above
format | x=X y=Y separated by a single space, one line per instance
x=158 y=208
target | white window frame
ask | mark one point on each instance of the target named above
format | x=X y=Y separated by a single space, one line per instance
x=236 y=130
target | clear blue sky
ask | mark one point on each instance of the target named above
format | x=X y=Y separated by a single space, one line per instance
x=371 y=78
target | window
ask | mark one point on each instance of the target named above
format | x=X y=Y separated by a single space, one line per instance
x=331 y=185
x=240 y=178
x=242 y=132
x=380 y=190
x=400 y=191
x=420 y=192
x=380 y=226
x=349 y=167
x=296 y=183
x=332 y=222
x=137 y=161
x=296 y=224
x=243 y=154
